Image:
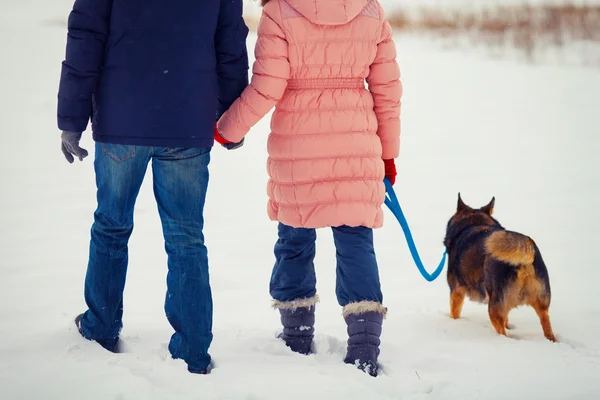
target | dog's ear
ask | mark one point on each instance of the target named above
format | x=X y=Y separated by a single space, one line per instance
x=489 y=209
x=461 y=206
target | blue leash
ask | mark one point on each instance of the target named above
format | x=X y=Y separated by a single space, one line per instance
x=391 y=200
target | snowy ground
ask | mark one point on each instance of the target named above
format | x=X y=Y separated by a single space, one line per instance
x=527 y=135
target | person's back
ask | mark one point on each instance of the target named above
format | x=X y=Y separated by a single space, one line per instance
x=159 y=73
x=328 y=134
x=332 y=142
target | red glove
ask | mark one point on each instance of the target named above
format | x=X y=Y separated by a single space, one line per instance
x=220 y=139
x=390 y=170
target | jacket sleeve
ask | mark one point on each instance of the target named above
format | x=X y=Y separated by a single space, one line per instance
x=271 y=72
x=386 y=88
x=232 y=55
x=88 y=29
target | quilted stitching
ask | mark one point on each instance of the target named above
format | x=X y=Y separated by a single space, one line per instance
x=371 y=9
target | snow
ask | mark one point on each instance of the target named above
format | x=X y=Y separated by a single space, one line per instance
x=525 y=134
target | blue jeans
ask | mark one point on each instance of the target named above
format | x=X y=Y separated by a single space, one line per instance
x=357 y=273
x=180 y=184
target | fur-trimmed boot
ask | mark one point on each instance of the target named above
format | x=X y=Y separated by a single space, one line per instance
x=364 y=320
x=298 y=320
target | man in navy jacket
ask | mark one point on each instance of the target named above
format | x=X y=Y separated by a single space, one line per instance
x=153 y=76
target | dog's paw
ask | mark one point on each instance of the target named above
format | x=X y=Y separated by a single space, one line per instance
x=551 y=338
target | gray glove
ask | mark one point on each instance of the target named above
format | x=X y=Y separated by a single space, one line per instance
x=233 y=146
x=70 y=146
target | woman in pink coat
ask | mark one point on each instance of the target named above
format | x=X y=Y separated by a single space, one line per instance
x=332 y=142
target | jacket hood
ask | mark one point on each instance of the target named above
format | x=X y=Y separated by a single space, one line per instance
x=328 y=12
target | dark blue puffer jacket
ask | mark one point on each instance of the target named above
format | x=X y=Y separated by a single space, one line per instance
x=152 y=72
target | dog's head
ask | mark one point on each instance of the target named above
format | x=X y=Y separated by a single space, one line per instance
x=467 y=217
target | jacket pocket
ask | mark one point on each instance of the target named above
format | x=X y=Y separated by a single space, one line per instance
x=118 y=152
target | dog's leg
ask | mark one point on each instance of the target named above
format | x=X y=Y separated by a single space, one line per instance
x=457 y=299
x=507 y=324
x=541 y=308
x=498 y=316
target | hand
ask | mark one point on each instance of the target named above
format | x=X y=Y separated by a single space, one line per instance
x=226 y=143
x=390 y=170
x=70 y=146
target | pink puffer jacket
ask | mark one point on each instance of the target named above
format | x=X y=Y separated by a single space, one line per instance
x=329 y=133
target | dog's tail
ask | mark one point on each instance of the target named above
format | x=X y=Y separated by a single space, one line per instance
x=511 y=248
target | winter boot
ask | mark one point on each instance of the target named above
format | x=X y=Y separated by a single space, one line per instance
x=364 y=320
x=298 y=320
x=113 y=345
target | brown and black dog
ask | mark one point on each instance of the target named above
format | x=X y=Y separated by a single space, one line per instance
x=492 y=265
